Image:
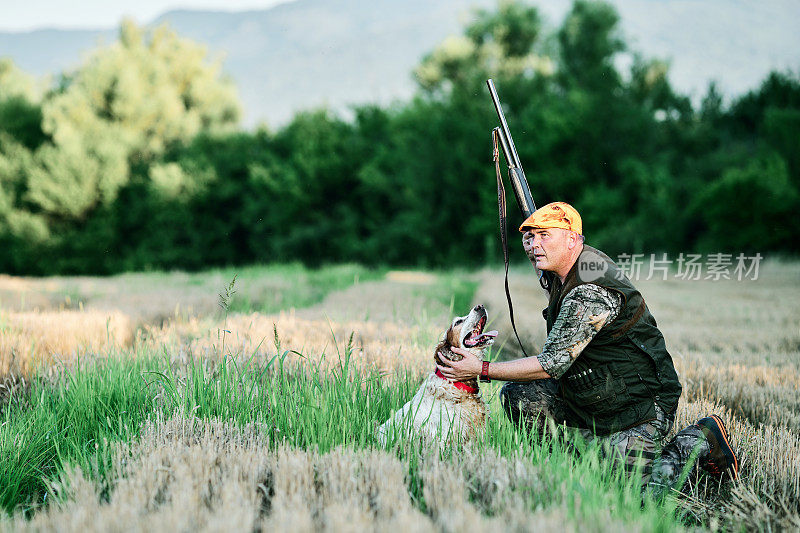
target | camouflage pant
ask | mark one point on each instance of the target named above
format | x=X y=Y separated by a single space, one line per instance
x=536 y=402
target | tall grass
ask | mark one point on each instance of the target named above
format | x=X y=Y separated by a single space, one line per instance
x=315 y=404
x=310 y=406
x=70 y=421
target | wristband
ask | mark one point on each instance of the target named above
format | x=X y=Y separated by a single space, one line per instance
x=485 y=372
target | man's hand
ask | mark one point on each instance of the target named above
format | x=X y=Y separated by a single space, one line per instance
x=468 y=368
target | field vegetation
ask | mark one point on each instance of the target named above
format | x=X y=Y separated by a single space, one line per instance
x=157 y=418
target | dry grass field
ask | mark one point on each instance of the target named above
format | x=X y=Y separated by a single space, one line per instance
x=736 y=346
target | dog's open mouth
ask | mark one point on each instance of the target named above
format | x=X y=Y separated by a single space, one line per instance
x=477 y=337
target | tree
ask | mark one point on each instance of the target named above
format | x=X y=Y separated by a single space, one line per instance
x=107 y=121
x=20 y=109
x=589 y=39
x=503 y=44
x=752 y=207
x=20 y=134
x=124 y=106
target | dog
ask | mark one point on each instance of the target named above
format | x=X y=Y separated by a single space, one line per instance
x=442 y=410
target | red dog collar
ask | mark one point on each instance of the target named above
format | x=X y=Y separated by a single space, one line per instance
x=458 y=384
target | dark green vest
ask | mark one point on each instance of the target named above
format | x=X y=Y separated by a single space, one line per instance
x=625 y=369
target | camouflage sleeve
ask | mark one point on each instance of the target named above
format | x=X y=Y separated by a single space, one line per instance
x=584 y=311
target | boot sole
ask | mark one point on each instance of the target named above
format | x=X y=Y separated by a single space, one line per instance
x=724 y=432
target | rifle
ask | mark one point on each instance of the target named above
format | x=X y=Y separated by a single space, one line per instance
x=515 y=173
x=502 y=136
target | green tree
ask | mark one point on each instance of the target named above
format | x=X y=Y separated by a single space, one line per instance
x=20 y=109
x=589 y=39
x=20 y=229
x=20 y=134
x=504 y=44
x=752 y=207
x=132 y=162
x=109 y=120
x=124 y=106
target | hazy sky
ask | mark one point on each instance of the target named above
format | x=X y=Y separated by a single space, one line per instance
x=24 y=15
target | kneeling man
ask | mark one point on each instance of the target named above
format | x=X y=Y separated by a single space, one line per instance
x=604 y=367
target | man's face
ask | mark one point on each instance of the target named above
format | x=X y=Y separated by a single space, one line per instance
x=548 y=248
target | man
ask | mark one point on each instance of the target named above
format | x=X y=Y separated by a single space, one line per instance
x=604 y=367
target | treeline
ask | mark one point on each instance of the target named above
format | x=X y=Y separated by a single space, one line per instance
x=134 y=161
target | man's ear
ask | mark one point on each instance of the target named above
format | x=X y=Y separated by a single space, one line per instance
x=572 y=240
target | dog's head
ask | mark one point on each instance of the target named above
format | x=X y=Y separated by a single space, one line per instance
x=467 y=332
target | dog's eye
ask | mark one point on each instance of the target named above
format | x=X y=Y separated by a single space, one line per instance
x=459 y=321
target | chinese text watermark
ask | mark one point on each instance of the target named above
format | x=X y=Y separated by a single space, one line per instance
x=687 y=267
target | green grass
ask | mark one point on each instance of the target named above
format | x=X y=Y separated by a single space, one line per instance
x=67 y=422
x=77 y=420
x=307 y=406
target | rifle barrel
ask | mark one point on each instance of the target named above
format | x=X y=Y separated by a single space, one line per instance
x=515 y=161
x=519 y=184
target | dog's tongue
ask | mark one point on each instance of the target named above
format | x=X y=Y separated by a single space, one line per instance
x=473 y=341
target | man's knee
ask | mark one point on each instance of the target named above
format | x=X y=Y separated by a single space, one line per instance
x=531 y=401
x=507 y=391
x=510 y=399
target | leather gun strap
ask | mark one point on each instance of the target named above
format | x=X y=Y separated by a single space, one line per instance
x=501 y=204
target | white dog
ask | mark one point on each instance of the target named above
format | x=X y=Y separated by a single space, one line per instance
x=441 y=409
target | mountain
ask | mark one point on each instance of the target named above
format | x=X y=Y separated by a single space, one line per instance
x=310 y=53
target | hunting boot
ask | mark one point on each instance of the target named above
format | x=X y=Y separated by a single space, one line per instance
x=721 y=459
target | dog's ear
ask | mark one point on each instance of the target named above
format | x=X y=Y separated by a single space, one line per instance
x=443 y=348
x=452 y=337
